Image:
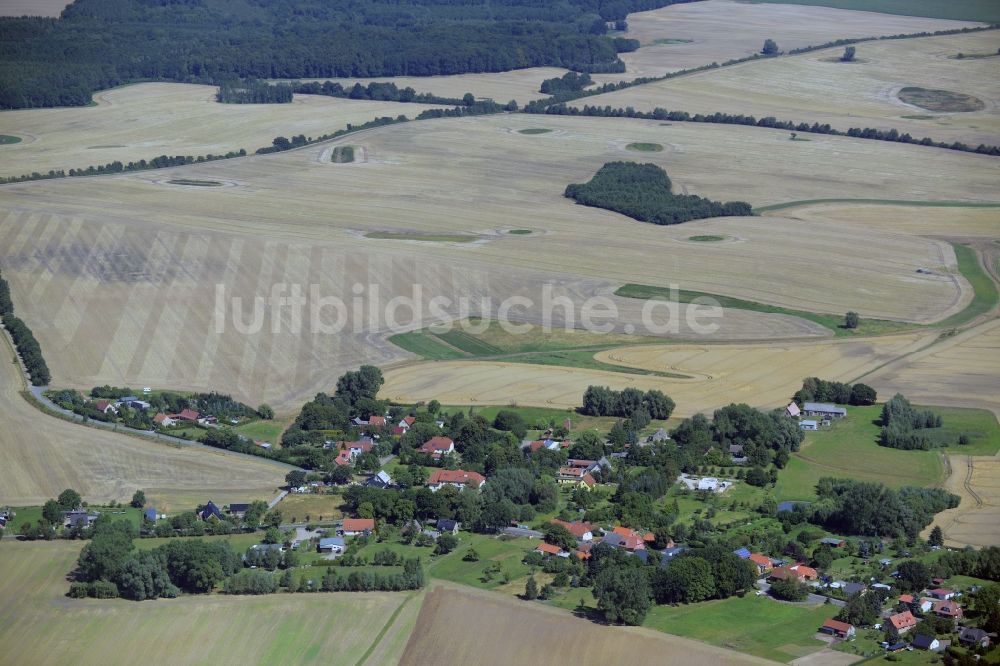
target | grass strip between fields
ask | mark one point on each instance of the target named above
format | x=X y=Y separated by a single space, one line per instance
x=878 y=202
x=457 y=345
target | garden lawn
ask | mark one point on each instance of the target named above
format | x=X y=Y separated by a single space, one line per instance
x=509 y=552
x=848 y=449
x=755 y=625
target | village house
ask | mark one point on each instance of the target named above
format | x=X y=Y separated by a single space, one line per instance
x=80 y=518
x=833 y=542
x=376 y=421
x=837 y=628
x=941 y=593
x=210 y=511
x=581 y=530
x=105 y=406
x=163 y=420
x=380 y=480
x=799 y=572
x=333 y=545
x=950 y=610
x=575 y=476
x=628 y=539
x=455 y=477
x=438 y=446
x=900 y=623
x=974 y=637
x=661 y=435
x=762 y=562
x=357 y=527
x=925 y=642
x=239 y=509
x=444 y=525
x=548 y=550
x=824 y=409
x=186 y=415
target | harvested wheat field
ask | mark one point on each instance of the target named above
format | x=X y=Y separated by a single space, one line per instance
x=146 y=120
x=127 y=294
x=521 y=631
x=961 y=371
x=976 y=521
x=32 y=7
x=709 y=27
x=817 y=88
x=39 y=625
x=763 y=375
x=44 y=455
x=907 y=220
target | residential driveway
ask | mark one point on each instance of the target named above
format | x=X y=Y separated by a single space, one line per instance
x=765 y=587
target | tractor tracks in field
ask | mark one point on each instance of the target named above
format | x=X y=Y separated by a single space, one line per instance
x=967 y=482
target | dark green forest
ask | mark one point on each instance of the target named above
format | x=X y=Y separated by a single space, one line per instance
x=642 y=191
x=98 y=44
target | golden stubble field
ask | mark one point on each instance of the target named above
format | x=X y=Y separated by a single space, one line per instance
x=961 y=371
x=39 y=625
x=906 y=220
x=44 y=455
x=721 y=30
x=520 y=632
x=976 y=521
x=126 y=293
x=146 y=120
x=816 y=87
x=762 y=375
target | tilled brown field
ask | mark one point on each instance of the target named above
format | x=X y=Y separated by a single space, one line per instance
x=450 y=630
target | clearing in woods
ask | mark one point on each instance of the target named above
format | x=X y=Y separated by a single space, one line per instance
x=38 y=624
x=44 y=455
x=119 y=295
x=816 y=88
x=764 y=375
x=460 y=614
x=146 y=120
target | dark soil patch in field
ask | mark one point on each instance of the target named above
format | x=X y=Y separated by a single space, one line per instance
x=534 y=130
x=645 y=147
x=707 y=239
x=6 y=139
x=940 y=100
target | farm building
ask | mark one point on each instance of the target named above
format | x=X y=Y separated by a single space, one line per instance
x=824 y=409
x=331 y=545
x=837 y=628
x=807 y=424
x=793 y=410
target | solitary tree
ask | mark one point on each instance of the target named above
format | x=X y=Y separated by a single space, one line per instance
x=138 y=499
x=531 y=589
x=770 y=47
x=265 y=412
x=69 y=499
x=848 y=54
x=851 y=320
x=936 y=537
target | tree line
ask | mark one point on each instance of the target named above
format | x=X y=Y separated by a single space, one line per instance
x=24 y=340
x=642 y=192
x=254 y=92
x=815 y=389
x=383 y=91
x=96 y=45
x=893 y=135
x=604 y=401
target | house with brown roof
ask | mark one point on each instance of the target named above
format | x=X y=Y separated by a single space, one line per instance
x=949 y=610
x=804 y=572
x=900 y=623
x=548 y=550
x=376 y=421
x=629 y=539
x=438 y=446
x=762 y=562
x=357 y=527
x=575 y=476
x=941 y=593
x=163 y=420
x=837 y=628
x=187 y=415
x=105 y=406
x=455 y=477
x=581 y=530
